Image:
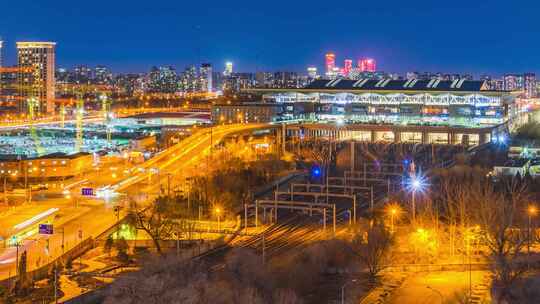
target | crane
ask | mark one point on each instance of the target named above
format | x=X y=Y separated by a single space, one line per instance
x=106 y=109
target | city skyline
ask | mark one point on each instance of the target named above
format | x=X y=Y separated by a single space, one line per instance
x=398 y=38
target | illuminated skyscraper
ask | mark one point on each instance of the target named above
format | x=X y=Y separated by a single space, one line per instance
x=206 y=77
x=1 y=77
x=39 y=82
x=228 y=69
x=367 y=65
x=330 y=62
x=347 y=67
x=312 y=72
x=1 y=42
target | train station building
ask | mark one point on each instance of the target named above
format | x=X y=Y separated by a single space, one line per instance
x=426 y=111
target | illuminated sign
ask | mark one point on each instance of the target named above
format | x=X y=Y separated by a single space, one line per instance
x=45 y=229
x=87 y=191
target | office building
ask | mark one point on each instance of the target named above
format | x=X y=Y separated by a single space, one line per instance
x=347 y=67
x=1 y=58
x=206 y=78
x=330 y=63
x=245 y=112
x=312 y=72
x=38 y=80
x=228 y=69
x=367 y=65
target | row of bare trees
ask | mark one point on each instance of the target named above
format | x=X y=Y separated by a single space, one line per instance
x=464 y=204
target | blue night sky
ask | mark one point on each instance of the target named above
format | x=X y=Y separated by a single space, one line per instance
x=476 y=36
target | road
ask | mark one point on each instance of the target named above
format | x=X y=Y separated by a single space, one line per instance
x=144 y=183
x=94 y=116
x=437 y=287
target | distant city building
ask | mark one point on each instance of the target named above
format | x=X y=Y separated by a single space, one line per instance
x=312 y=72
x=228 y=68
x=1 y=58
x=162 y=80
x=189 y=81
x=82 y=74
x=367 y=65
x=357 y=74
x=1 y=74
x=264 y=79
x=206 y=77
x=40 y=82
x=347 y=67
x=438 y=76
x=102 y=75
x=245 y=112
x=513 y=82
x=128 y=84
x=239 y=81
x=330 y=64
x=529 y=85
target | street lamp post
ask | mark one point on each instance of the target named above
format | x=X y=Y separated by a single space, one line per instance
x=393 y=212
x=530 y=212
x=415 y=184
x=218 y=213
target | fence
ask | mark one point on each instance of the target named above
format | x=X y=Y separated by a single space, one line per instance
x=44 y=271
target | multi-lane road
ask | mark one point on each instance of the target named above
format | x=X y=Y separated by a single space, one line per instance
x=91 y=217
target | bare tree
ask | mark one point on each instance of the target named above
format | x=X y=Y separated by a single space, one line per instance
x=155 y=220
x=373 y=248
x=497 y=212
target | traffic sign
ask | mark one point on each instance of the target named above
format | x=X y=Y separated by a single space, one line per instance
x=87 y=191
x=45 y=229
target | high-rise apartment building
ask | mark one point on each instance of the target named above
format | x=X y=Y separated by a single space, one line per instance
x=513 y=82
x=38 y=80
x=529 y=85
x=102 y=75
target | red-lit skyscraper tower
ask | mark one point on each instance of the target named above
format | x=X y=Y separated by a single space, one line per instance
x=347 y=67
x=330 y=62
x=367 y=65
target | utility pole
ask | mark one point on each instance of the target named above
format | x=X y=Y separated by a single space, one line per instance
x=334 y=217
x=263 y=249
x=371 y=202
x=354 y=208
x=245 y=217
x=55 y=283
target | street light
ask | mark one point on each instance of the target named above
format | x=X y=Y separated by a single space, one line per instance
x=393 y=210
x=218 y=213
x=530 y=213
x=416 y=183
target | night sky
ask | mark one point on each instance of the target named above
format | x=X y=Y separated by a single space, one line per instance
x=456 y=36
